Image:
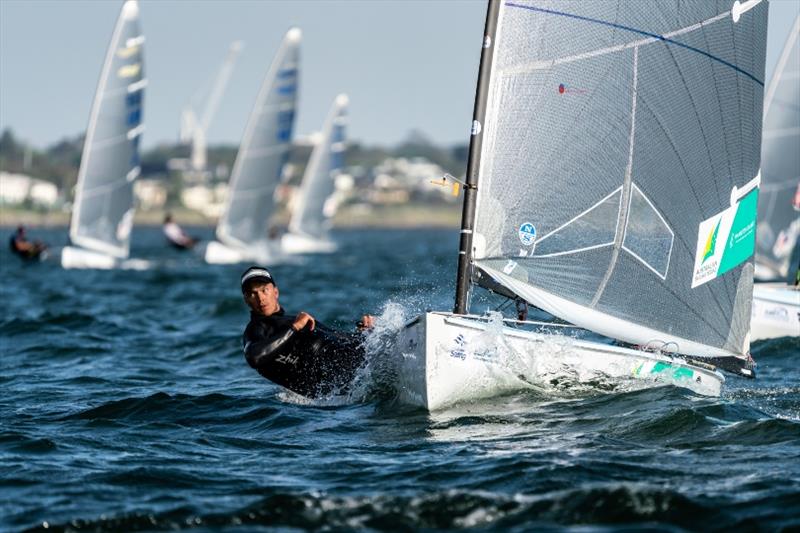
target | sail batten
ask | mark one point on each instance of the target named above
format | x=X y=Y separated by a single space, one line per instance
x=263 y=151
x=609 y=167
x=653 y=37
x=102 y=214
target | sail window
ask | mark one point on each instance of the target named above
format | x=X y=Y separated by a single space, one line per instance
x=648 y=237
x=594 y=228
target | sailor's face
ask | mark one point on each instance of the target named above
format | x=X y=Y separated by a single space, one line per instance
x=262 y=298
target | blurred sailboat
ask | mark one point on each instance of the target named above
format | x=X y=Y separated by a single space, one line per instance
x=310 y=223
x=776 y=303
x=242 y=231
x=602 y=188
x=103 y=210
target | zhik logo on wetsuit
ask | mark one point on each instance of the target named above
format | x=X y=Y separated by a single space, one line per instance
x=287 y=359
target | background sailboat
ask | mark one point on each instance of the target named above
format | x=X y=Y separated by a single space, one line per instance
x=612 y=182
x=242 y=231
x=310 y=223
x=102 y=215
x=776 y=303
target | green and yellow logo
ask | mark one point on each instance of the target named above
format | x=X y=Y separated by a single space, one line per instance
x=711 y=242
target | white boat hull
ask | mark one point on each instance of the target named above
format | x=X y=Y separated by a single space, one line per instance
x=75 y=257
x=448 y=359
x=262 y=253
x=776 y=311
x=295 y=243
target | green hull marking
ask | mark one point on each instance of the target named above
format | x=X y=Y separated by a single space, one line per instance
x=678 y=372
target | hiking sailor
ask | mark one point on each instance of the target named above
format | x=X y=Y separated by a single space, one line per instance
x=298 y=353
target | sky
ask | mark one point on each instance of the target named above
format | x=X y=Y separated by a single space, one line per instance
x=406 y=64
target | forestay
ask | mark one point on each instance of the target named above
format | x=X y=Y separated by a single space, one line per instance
x=311 y=216
x=778 y=222
x=615 y=135
x=263 y=150
x=103 y=212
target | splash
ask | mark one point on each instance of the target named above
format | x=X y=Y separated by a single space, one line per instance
x=376 y=378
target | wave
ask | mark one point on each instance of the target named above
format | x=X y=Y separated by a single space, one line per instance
x=179 y=408
x=634 y=505
x=21 y=326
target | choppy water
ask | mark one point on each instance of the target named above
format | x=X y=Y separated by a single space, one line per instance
x=126 y=404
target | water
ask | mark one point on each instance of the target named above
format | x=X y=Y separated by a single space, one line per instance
x=126 y=404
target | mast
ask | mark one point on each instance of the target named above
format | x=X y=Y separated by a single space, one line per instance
x=463 y=278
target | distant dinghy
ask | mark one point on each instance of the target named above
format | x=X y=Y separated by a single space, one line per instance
x=310 y=223
x=612 y=182
x=242 y=232
x=776 y=303
x=103 y=211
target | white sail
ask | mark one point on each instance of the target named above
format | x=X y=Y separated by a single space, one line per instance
x=778 y=222
x=263 y=151
x=619 y=166
x=310 y=216
x=103 y=212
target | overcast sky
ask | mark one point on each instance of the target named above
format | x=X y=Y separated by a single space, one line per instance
x=405 y=64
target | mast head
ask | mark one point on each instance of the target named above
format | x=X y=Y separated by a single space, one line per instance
x=130 y=9
x=342 y=100
x=294 y=35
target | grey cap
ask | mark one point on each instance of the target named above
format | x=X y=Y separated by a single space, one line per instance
x=257 y=273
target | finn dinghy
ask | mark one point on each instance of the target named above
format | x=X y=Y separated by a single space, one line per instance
x=102 y=215
x=612 y=181
x=776 y=303
x=242 y=231
x=310 y=223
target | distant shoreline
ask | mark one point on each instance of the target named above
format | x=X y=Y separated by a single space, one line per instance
x=395 y=216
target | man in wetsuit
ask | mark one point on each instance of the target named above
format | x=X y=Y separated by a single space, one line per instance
x=22 y=247
x=298 y=353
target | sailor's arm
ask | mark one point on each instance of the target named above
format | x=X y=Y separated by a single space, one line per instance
x=302 y=320
x=259 y=351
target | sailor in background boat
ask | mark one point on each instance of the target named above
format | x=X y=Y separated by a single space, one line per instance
x=176 y=236
x=298 y=353
x=25 y=249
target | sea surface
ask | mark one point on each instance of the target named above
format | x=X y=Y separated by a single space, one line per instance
x=126 y=404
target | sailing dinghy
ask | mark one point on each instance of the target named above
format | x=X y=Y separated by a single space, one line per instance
x=310 y=224
x=776 y=303
x=103 y=210
x=612 y=182
x=242 y=231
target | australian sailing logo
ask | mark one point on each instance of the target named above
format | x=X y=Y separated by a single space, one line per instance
x=711 y=242
x=563 y=88
x=726 y=240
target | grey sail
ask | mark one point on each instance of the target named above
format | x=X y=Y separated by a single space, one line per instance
x=619 y=159
x=310 y=216
x=778 y=222
x=263 y=151
x=103 y=212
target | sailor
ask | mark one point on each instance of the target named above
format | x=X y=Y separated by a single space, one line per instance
x=297 y=352
x=176 y=236
x=22 y=247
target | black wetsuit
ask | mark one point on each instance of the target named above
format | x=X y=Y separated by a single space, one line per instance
x=311 y=363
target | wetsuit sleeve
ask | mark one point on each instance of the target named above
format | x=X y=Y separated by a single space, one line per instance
x=258 y=348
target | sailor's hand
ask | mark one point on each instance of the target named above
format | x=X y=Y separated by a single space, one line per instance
x=366 y=322
x=302 y=320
